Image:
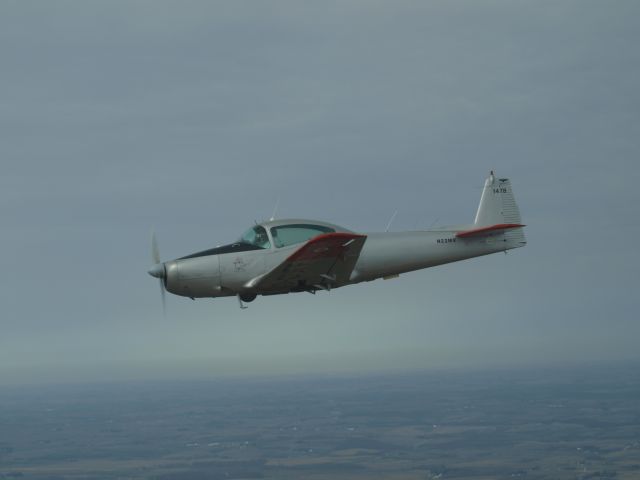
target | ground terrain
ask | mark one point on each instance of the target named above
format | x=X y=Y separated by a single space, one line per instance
x=570 y=423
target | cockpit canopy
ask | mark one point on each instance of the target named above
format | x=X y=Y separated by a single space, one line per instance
x=284 y=235
x=278 y=234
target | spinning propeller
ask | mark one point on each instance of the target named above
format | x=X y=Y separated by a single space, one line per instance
x=158 y=269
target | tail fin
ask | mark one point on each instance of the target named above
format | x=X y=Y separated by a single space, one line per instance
x=497 y=204
x=498 y=207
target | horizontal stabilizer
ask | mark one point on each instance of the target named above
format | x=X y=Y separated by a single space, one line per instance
x=487 y=230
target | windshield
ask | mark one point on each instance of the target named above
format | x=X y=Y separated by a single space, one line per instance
x=256 y=236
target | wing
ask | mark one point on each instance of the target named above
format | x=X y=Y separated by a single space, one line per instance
x=487 y=230
x=323 y=262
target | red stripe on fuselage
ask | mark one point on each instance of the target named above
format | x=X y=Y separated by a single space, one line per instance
x=491 y=228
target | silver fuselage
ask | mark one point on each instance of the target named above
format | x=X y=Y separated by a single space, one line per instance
x=383 y=255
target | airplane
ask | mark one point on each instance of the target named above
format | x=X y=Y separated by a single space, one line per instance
x=298 y=255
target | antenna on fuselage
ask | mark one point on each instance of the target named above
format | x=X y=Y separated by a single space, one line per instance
x=391 y=221
x=275 y=210
x=432 y=224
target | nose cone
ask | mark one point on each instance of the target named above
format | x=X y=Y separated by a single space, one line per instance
x=157 y=270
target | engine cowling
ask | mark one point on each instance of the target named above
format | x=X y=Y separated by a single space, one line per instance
x=194 y=277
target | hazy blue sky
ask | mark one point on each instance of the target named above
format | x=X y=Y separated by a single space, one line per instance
x=195 y=117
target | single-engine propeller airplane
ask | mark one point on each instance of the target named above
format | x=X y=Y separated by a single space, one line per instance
x=285 y=256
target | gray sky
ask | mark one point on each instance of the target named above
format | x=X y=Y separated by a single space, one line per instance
x=195 y=117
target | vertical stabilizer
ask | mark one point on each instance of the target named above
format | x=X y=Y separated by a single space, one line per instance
x=497 y=204
x=498 y=207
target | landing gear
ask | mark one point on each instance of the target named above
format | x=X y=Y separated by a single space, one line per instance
x=245 y=297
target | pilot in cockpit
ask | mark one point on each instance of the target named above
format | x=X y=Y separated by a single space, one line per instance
x=261 y=240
